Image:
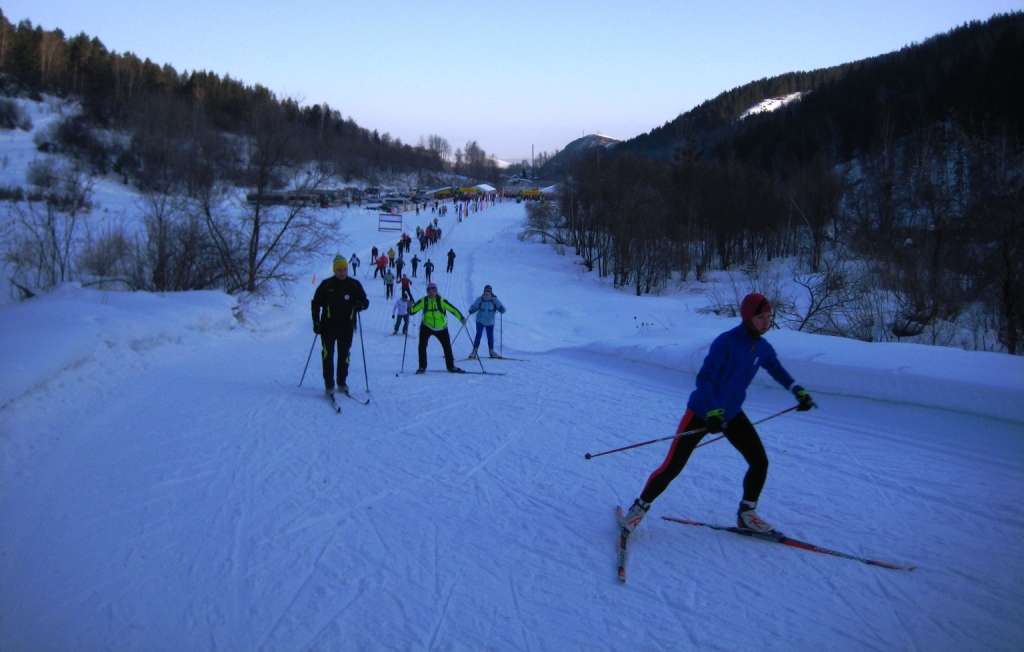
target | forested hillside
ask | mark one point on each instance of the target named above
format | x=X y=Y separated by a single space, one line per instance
x=230 y=176
x=896 y=183
x=153 y=103
x=970 y=74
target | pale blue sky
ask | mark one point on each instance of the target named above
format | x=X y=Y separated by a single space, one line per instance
x=509 y=75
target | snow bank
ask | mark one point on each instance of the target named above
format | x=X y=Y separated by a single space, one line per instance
x=986 y=384
x=71 y=326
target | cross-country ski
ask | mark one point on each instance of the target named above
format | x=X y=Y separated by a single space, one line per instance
x=468 y=371
x=364 y=401
x=778 y=537
x=334 y=403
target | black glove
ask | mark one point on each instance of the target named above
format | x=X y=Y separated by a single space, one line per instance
x=714 y=422
x=316 y=327
x=803 y=399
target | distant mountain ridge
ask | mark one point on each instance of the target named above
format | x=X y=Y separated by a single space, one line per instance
x=557 y=165
x=973 y=72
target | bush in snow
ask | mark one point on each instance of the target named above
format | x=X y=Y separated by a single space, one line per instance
x=12 y=116
x=43 y=236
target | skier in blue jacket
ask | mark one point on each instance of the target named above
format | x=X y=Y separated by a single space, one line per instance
x=717 y=406
x=485 y=306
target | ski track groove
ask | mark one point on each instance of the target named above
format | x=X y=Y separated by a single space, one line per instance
x=519 y=613
x=298 y=593
x=439 y=621
x=908 y=639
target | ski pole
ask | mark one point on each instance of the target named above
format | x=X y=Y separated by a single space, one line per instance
x=478 y=359
x=653 y=441
x=461 y=328
x=308 y=358
x=362 y=347
x=404 y=345
x=501 y=335
x=711 y=441
x=684 y=434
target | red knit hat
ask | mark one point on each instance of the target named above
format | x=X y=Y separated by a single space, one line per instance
x=754 y=304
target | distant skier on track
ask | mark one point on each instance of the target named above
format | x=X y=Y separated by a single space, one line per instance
x=485 y=306
x=335 y=304
x=717 y=405
x=436 y=324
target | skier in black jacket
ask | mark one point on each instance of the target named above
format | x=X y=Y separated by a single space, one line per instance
x=335 y=304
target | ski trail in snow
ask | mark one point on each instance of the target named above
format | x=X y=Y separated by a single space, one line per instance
x=440 y=620
x=522 y=625
x=190 y=497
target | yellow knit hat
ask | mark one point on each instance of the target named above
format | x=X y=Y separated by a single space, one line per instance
x=340 y=263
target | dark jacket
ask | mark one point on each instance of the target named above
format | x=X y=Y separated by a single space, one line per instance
x=335 y=303
x=730 y=365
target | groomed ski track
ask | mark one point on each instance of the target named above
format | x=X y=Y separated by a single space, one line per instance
x=192 y=497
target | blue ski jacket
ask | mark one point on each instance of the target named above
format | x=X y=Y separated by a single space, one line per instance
x=730 y=366
x=485 y=309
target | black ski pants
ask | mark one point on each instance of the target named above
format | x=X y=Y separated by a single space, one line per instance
x=399 y=320
x=446 y=343
x=342 y=339
x=739 y=432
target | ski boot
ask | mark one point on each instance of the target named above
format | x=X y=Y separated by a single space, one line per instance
x=473 y=356
x=634 y=516
x=747 y=519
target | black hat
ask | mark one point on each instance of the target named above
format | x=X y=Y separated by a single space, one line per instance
x=487 y=288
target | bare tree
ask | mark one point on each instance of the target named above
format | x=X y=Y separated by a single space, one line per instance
x=108 y=258
x=999 y=210
x=544 y=221
x=440 y=148
x=814 y=195
x=259 y=240
x=45 y=239
x=828 y=292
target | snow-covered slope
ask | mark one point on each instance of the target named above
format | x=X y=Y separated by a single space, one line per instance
x=165 y=485
x=772 y=104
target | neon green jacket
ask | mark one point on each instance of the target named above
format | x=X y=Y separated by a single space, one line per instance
x=433 y=312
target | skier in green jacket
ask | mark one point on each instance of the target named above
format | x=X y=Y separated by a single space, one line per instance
x=435 y=324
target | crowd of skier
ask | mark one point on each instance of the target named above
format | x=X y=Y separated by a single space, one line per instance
x=715 y=405
x=340 y=298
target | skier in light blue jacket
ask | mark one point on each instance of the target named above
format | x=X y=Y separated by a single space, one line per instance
x=485 y=307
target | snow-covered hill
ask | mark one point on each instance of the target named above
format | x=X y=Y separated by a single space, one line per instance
x=771 y=104
x=166 y=485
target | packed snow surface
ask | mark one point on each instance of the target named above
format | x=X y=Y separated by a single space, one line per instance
x=165 y=484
